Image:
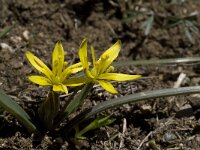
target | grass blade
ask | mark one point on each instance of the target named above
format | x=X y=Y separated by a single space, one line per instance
x=128 y=99
x=13 y=108
x=158 y=61
x=6 y=30
x=78 y=99
x=147 y=25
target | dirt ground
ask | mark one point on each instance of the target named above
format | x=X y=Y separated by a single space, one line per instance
x=168 y=123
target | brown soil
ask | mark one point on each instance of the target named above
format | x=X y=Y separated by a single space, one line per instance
x=167 y=123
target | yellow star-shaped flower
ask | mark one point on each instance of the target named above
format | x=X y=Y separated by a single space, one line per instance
x=58 y=74
x=101 y=71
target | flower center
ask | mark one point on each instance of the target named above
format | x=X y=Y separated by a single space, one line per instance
x=56 y=80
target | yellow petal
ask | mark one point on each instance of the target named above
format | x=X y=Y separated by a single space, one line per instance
x=40 y=80
x=110 y=69
x=76 y=67
x=109 y=56
x=70 y=70
x=107 y=86
x=118 y=76
x=65 y=74
x=93 y=55
x=39 y=65
x=58 y=59
x=75 y=70
x=83 y=54
x=76 y=81
x=113 y=51
x=65 y=89
x=60 y=88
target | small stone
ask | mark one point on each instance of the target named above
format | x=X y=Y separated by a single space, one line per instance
x=25 y=35
x=146 y=108
x=168 y=137
x=6 y=47
x=186 y=106
x=16 y=39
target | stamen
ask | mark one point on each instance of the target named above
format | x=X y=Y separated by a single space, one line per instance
x=65 y=64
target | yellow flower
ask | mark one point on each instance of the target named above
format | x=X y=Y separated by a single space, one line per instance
x=100 y=73
x=58 y=74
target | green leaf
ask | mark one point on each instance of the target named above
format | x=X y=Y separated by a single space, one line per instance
x=188 y=34
x=171 y=21
x=17 y=111
x=78 y=99
x=150 y=62
x=74 y=101
x=6 y=30
x=125 y=100
x=147 y=25
x=131 y=14
x=157 y=61
x=49 y=109
x=97 y=123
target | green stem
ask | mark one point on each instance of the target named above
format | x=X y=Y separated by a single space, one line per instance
x=78 y=99
x=62 y=115
x=127 y=99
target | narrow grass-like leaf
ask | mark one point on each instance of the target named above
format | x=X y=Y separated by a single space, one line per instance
x=127 y=99
x=17 y=111
x=172 y=21
x=130 y=15
x=150 y=62
x=78 y=99
x=6 y=30
x=155 y=62
x=49 y=109
x=147 y=25
x=97 y=123
x=188 y=34
x=190 y=29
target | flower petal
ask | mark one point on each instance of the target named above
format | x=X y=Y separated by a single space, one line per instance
x=60 y=88
x=39 y=65
x=76 y=67
x=70 y=70
x=58 y=59
x=83 y=54
x=40 y=80
x=118 y=76
x=93 y=55
x=75 y=70
x=65 y=74
x=109 y=56
x=107 y=86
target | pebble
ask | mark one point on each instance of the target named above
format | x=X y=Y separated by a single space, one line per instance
x=6 y=47
x=169 y=136
x=25 y=35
